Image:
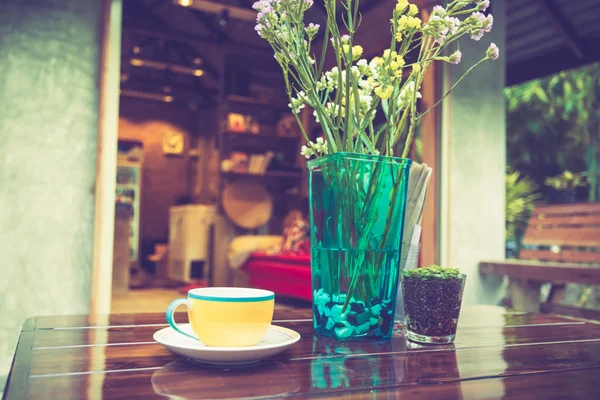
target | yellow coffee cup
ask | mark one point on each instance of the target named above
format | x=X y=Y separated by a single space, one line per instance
x=226 y=316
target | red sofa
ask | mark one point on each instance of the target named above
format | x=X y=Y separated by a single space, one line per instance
x=285 y=275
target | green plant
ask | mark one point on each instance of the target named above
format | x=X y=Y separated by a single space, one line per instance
x=521 y=194
x=554 y=125
x=567 y=180
x=432 y=299
x=346 y=99
x=432 y=272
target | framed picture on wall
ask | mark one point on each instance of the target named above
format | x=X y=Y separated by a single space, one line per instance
x=173 y=143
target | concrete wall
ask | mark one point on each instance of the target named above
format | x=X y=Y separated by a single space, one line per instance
x=49 y=54
x=165 y=178
x=473 y=163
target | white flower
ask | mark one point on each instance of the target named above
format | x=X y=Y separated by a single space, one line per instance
x=317 y=148
x=367 y=84
x=483 y=24
x=298 y=103
x=306 y=152
x=363 y=66
x=312 y=29
x=455 y=57
x=374 y=69
x=332 y=108
x=365 y=101
x=438 y=10
x=405 y=97
x=454 y=24
x=322 y=83
x=492 y=52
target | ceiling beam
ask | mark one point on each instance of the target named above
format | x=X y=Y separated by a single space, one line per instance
x=211 y=25
x=213 y=7
x=567 y=30
x=165 y=33
x=168 y=34
x=161 y=87
x=166 y=66
x=551 y=63
x=179 y=37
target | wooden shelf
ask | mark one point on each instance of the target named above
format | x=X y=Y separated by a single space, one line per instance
x=262 y=142
x=268 y=174
x=255 y=101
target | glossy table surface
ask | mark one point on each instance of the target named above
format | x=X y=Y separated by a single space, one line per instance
x=497 y=354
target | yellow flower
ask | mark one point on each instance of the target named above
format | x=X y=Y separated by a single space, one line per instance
x=378 y=61
x=402 y=4
x=346 y=48
x=398 y=37
x=416 y=68
x=384 y=93
x=394 y=65
x=356 y=52
x=413 y=10
x=400 y=61
x=408 y=23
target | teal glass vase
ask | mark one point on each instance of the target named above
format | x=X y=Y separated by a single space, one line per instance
x=357 y=205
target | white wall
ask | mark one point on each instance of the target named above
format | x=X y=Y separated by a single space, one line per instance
x=473 y=160
x=49 y=57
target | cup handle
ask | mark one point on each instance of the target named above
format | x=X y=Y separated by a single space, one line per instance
x=171 y=319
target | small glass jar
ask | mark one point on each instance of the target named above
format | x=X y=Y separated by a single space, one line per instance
x=432 y=307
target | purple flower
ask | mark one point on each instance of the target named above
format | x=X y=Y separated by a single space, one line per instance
x=490 y=19
x=479 y=16
x=486 y=24
x=477 y=36
x=454 y=24
x=259 y=5
x=455 y=58
x=312 y=29
x=440 y=30
x=492 y=52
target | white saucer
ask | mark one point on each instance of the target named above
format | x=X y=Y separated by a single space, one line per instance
x=276 y=340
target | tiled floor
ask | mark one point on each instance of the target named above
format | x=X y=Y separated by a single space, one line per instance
x=157 y=301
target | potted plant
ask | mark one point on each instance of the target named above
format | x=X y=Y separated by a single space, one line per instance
x=432 y=299
x=357 y=184
x=565 y=185
x=521 y=193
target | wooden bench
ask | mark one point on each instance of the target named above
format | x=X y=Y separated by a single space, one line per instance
x=562 y=246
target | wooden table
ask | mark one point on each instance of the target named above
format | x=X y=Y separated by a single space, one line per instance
x=496 y=354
